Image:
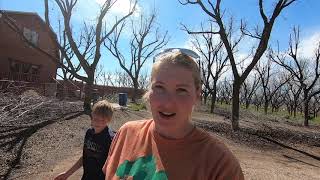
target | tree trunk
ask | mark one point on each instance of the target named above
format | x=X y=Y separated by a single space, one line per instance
x=135 y=91
x=235 y=105
x=306 y=113
x=46 y=12
x=88 y=88
x=247 y=104
x=65 y=89
x=266 y=105
x=306 y=110
x=213 y=100
x=204 y=97
x=289 y=110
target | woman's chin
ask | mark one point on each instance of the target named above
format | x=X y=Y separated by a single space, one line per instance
x=164 y=120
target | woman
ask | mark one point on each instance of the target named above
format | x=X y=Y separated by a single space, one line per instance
x=169 y=146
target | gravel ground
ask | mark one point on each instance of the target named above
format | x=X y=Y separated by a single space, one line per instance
x=45 y=146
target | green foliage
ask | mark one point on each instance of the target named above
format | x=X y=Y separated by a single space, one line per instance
x=137 y=106
x=316 y=120
x=280 y=114
x=222 y=105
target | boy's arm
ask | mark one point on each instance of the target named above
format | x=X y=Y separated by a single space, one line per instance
x=73 y=169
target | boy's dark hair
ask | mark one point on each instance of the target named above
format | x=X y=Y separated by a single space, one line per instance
x=103 y=108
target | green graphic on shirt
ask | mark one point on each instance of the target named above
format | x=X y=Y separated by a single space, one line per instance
x=141 y=168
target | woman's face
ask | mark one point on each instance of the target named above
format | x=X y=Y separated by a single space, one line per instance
x=172 y=97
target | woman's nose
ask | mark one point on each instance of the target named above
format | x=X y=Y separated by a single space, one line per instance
x=168 y=99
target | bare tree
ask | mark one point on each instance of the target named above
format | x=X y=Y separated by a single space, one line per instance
x=293 y=92
x=300 y=69
x=107 y=78
x=204 y=95
x=262 y=35
x=224 y=93
x=89 y=53
x=249 y=87
x=144 y=80
x=98 y=74
x=270 y=83
x=121 y=79
x=65 y=53
x=46 y=12
x=212 y=65
x=145 y=42
x=315 y=105
x=278 y=99
x=257 y=98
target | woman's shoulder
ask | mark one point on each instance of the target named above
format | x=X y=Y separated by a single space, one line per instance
x=214 y=147
x=220 y=156
x=136 y=125
x=210 y=139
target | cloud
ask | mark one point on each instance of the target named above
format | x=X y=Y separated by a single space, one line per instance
x=121 y=7
x=88 y=10
x=309 y=44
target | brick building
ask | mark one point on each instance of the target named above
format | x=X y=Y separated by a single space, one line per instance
x=18 y=60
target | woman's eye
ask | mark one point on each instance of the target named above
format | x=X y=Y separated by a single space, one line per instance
x=182 y=91
x=158 y=88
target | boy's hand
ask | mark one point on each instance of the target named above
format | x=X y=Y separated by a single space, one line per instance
x=62 y=176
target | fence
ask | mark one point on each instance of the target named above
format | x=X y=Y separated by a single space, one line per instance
x=63 y=89
x=20 y=77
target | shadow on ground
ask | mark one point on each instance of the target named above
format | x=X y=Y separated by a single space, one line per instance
x=15 y=138
x=261 y=138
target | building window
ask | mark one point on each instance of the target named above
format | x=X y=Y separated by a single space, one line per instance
x=31 y=36
x=15 y=67
x=35 y=70
x=22 y=71
x=26 y=68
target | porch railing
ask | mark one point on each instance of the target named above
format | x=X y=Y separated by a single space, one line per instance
x=19 y=77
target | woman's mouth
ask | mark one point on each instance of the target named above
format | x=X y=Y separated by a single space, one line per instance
x=166 y=114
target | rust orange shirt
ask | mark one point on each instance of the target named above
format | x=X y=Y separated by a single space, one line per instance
x=139 y=152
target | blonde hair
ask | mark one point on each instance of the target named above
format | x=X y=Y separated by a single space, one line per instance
x=103 y=108
x=181 y=60
x=177 y=59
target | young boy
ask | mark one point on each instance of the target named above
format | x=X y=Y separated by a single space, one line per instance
x=96 y=144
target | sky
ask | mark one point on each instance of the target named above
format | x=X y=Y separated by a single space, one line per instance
x=171 y=14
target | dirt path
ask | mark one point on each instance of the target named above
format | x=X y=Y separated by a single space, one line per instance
x=59 y=168
x=256 y=164
x=274 y=164
x=56 y=147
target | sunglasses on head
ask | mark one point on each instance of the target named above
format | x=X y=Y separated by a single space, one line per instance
x=185 y=51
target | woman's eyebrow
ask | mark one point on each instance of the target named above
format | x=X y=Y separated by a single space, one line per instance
x=159 y=82
x=183 y=85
